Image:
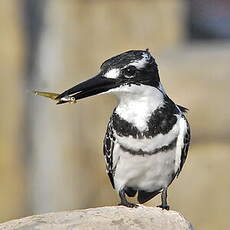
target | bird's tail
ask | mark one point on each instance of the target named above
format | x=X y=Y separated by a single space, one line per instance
x=144 y=196
x=130 y=192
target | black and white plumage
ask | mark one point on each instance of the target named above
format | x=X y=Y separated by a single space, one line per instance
x=148 y=136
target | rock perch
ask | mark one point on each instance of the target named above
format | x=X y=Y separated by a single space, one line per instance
x=103 y=218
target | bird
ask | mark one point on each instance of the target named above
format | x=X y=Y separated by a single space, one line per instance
x=148 y=135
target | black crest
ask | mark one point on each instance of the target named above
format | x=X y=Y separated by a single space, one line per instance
x=126 y=58
x=147 y=75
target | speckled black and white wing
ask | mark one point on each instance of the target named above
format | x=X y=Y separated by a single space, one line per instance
x=184 y=145
x=108 y=148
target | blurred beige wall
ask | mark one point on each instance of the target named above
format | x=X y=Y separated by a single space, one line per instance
x=63 y=167
x=12 y=174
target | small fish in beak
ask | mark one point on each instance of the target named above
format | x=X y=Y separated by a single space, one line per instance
x=53 y=96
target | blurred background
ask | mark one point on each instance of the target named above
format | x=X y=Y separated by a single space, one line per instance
x=51 y=156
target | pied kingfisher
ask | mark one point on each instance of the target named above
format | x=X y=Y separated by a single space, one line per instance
x=148 y=136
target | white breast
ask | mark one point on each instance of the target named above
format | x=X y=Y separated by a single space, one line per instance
x=149 y=173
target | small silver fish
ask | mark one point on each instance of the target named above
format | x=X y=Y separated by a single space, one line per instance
x=53 y=96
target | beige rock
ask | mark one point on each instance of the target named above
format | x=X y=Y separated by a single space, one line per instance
x=104 y=218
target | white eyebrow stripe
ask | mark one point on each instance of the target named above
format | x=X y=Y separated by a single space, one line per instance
x=139 y=64
x=113 y=73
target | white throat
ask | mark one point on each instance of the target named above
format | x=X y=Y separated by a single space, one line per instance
x=137 y=103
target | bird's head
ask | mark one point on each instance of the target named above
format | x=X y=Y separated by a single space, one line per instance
x=125 y=73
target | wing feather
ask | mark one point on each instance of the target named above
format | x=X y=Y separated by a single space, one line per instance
x=184 y=147
x=108 y=148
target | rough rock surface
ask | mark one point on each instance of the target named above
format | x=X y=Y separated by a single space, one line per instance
x=103 y=218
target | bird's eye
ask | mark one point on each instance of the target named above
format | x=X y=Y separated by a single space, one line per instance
x=129 y=71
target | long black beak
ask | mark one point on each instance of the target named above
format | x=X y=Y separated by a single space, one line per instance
x=90 y=87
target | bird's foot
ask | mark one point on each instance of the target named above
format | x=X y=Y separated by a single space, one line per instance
x=166 y=207
x=128 y=204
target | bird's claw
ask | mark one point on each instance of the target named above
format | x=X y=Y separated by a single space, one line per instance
x=166 y=207
x=129 y=205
